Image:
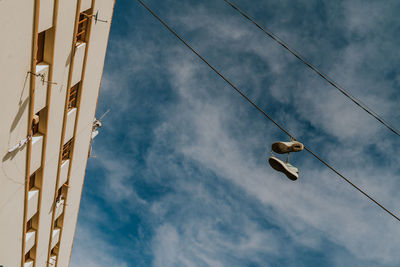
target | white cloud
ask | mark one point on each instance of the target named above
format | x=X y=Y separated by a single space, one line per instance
x=90 y=250
x=320 y=202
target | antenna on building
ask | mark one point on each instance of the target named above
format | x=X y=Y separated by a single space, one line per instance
x=96 y=17
x=90 y=155
x=42 y=77
x=104 y=114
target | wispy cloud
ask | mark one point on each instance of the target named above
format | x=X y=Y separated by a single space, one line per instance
x=92 y=251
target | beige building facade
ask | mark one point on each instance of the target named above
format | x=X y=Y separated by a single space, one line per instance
x=52 y=56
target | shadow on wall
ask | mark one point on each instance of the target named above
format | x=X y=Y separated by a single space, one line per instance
x=22 y=107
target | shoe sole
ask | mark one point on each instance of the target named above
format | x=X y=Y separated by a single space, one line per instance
x=280 y=167
x=282 y=148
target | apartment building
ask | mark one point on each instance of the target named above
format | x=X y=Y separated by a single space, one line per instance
x=52 y=56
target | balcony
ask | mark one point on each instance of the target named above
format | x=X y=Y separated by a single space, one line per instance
x=85 y=5
x=79 y=58
x=46 y=15
x=63 y=173
x=53 y=260
x=28 y=263
x=33 y=200
x=59 y=209
x=55 y=237
x=29 y=240
x=70 y=125
x=41 y=87
x=36 y=153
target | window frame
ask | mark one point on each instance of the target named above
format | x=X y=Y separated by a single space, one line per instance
x=73 y=96
x=67 y=150
x=83 y=25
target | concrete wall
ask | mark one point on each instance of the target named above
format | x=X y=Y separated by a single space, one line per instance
x=15 y=58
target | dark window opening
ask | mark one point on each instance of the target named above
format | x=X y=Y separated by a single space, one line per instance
x=40 y=47
x=54 y=251
x=82 y=27
x=66 y=153
x=59 y=192
x=27 y=256
x=29 y=225
x=32 y=181
x=73 y=97
x=35 y=124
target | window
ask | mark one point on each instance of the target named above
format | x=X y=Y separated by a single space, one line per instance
x=44 y=49
x=73 y=96
x=54 y=251
x=28 y=256
x=39 y=122
x=59 y=222
x=66 y=153
x=59 y=192
x=35 y=124
x=32 y=181
x=40 y=47
x=32 y=223
x=29 y=225
x=82 y=27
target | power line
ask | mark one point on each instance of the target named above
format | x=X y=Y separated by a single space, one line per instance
x=320 y=73
x=263 y=112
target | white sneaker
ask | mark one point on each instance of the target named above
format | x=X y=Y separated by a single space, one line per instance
x=291 y=172
x=286 y=147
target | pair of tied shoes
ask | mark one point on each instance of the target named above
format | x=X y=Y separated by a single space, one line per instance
x=281 y=148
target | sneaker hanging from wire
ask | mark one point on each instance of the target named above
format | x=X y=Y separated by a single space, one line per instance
x=287 y=147
x=289 y=170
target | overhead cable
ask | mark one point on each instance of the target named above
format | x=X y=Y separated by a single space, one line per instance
x=263 y=112
x=320 y=73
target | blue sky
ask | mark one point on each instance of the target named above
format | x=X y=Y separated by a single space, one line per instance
x=180 y=176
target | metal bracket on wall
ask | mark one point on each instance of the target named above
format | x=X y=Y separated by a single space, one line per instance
x=42 y=77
